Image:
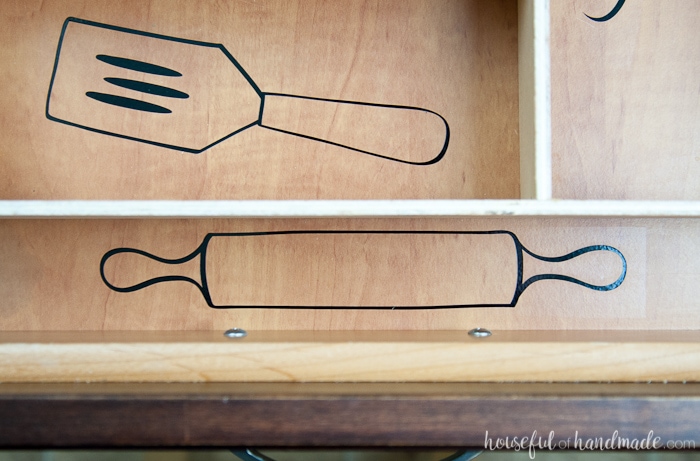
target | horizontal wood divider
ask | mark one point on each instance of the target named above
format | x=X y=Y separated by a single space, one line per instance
x=37 y=209
x=351 y=356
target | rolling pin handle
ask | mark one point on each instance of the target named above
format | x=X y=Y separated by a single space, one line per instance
x=143 y=254
x=567 y=278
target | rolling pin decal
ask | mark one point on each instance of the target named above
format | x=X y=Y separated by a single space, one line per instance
x=190 y=95
x=358 y=269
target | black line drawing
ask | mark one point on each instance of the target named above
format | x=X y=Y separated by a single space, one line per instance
x=610 y=15
x=480 y=243
x=161 y=96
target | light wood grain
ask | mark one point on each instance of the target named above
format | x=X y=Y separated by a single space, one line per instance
x=433 y=357
x=51 y=277
x=626 y=100
x=534 y=98
x=456 y=58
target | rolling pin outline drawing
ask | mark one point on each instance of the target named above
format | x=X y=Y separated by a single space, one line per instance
x=158 y=90
x=520 y=287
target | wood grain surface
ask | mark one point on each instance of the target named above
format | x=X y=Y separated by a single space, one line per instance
x=307 y=356
x=51 y=277
x=338 y=415
x=456 y=58
x=626 y=100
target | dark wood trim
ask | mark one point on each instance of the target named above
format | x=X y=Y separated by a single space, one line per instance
x=438 y=415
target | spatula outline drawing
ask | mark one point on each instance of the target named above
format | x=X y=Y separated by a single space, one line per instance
x=520 y=251
x=160 y=91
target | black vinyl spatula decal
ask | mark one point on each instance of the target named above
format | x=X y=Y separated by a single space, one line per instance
x=190 y=95
x=358 y=269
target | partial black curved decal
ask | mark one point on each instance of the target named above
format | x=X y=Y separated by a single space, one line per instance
x=610 y=15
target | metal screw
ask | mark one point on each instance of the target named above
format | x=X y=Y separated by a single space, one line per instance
x=480 y=333
x=236 y=333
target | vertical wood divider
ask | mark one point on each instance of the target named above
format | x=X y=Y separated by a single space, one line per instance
x=535 y=100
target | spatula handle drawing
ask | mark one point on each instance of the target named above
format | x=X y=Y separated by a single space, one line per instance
x=190 y=95
x=359 y=269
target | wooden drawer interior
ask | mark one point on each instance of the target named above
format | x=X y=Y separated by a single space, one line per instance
x=401 y=122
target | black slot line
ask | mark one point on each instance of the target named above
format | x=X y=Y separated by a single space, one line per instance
x=149 y=88
x=128 y=103
x=138 y=66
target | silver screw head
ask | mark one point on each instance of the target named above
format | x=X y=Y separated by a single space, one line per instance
x=236 y=333
x=480 y=333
